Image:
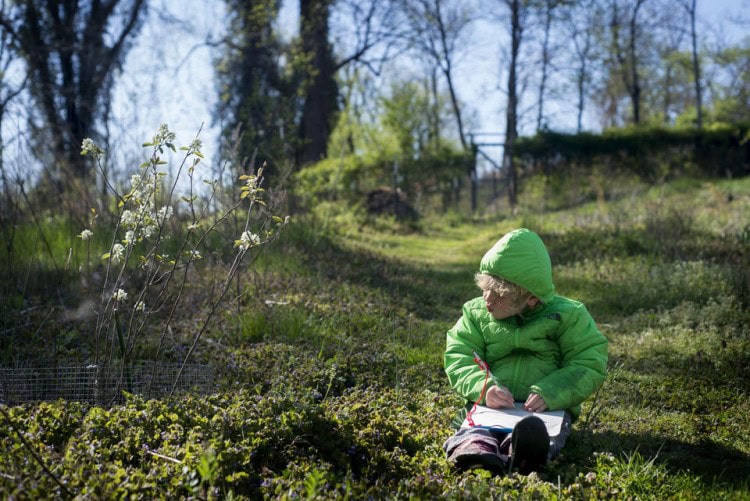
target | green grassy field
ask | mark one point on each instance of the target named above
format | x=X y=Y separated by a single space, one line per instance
x=330 y=380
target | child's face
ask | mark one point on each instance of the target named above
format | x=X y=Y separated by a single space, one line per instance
x=505 y=306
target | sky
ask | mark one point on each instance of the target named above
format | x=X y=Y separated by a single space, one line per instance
x=168 y=75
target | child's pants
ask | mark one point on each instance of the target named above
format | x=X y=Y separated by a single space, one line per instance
x=556 y=443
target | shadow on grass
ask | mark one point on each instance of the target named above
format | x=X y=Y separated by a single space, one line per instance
x=669 y=237
x=722 y=368
x=436 y=292
x=426 y=291
x=710 y=461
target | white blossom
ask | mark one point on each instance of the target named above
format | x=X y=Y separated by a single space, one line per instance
x=89 y=147
x=128 y=218
x=164 y=134
x=118 y=253
x=247 y=240
x=86 y=234
x=165 y=213
x=140 y=306
x=120 y=295
x=129 y=237
x=251 y=188
x=149 y=230
x=136 y=184
x=87 y=144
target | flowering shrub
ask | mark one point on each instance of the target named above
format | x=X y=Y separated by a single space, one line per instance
x=158 y=239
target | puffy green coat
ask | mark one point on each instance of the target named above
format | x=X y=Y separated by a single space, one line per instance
x=554 y=349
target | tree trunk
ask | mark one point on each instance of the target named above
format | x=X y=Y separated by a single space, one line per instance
x=635 y=88
x=667 y=92
x=581 y=39
x=435 y=109
x=549 y=6
x=448 y=73
x=696 y=68
x=511 y=128
x=320 y=106
x=628 y=62
x=581 y=95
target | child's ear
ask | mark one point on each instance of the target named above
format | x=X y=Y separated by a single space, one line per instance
x=532 y=302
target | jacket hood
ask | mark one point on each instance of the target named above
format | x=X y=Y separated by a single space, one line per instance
x=521 y=257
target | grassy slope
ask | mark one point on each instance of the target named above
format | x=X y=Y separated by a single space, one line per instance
x=665 y=276
x=337 y=388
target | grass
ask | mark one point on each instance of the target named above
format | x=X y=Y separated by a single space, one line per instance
x=330 y=369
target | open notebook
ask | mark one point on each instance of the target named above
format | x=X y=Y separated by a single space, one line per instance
x=506 y=419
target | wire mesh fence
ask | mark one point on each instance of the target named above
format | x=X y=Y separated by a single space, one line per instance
x=102 y=385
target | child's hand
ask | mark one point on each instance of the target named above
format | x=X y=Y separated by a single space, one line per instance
x=535 y=403
x=499 y=397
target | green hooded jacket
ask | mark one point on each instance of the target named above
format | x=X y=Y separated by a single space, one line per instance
x=554 y=349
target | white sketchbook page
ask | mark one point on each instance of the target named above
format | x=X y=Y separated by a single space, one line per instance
x=507 y=418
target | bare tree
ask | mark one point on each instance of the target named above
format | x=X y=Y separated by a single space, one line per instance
x=670 y=58
x=691 y=6
x=626 y=13
x=71 y=49
x=369 y=35
x=8 y=90
x=435 y=29
x=582 y=19
x=548 y=8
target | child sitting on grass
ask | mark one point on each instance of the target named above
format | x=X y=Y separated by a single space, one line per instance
x=544 y=349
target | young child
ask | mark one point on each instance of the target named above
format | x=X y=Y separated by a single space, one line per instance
x=544 y=349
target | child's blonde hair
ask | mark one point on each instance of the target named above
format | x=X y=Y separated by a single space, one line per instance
x=502 y=287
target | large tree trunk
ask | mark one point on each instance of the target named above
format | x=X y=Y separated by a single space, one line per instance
x=320 y=106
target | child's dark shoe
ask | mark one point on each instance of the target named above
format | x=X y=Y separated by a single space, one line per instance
x=530 y=445
x=479 y=452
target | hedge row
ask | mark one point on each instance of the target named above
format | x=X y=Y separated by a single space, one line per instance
x=650 y=152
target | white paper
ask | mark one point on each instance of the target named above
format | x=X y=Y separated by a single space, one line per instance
x=507 y=418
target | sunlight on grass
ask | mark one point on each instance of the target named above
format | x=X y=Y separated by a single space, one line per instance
x=443 y=247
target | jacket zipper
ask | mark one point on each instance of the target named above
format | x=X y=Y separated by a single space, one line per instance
x=516 y=362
